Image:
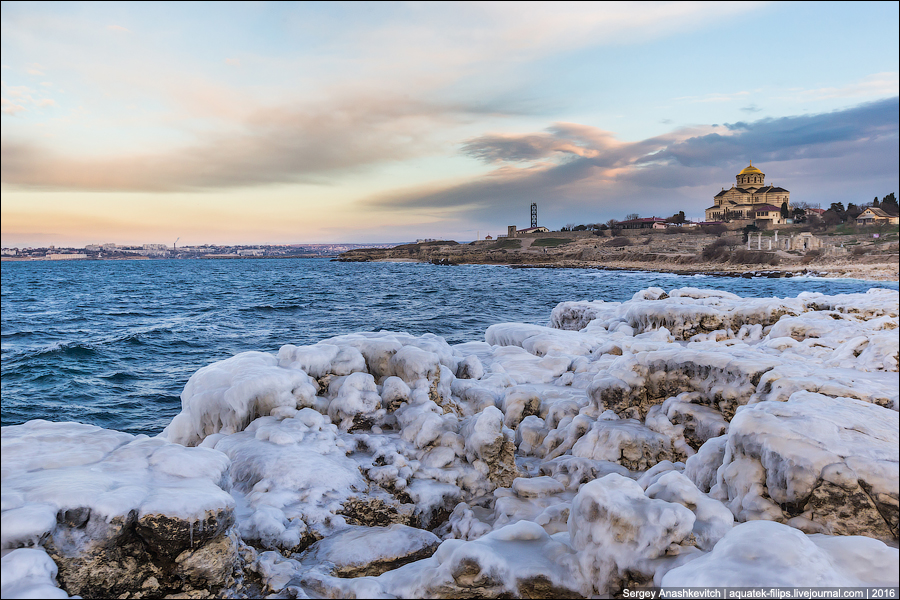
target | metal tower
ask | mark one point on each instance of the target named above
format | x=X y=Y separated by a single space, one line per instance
x=534 y=214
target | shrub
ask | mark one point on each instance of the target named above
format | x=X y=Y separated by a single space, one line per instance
x=715 y=251
x=810 y=256
x=506 y=243
x=617 y=242
x=550 y=242
x=714 y=229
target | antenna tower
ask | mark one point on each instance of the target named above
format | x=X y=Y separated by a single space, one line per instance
x=534 y=214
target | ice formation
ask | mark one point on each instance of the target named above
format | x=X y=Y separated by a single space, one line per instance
x=682 y=438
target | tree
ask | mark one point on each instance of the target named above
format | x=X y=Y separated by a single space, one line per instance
x=580 y=228
x=838 y=209
x=632 y=216
x=614 y=226
x=889 y=204
x=831 y=217
x=785 y=211
x=799 y=215
x=875 y=203
x=747 y=230
x=678 y=218
x=853 y=210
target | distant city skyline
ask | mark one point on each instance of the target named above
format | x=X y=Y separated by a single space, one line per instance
x=286 y=123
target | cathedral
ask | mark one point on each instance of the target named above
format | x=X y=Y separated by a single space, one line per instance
x=749 y=198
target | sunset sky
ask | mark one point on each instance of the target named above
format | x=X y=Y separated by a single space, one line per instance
x=278 y=123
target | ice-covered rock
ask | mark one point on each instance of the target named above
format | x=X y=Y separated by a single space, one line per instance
x=226 y=396
x=764 y=554
x=491 y=447
x=520 y=561
x=618 y=532
x=360 y=551
x=29 y=573
x=548 y=459
x=819 y=463
x=701 y=468
x=624 y=441
x=713 y=519
x=119 y=513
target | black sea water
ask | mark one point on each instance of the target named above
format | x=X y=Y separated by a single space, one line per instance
x=112 y=343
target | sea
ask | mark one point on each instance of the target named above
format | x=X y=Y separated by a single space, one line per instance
x=112 y=343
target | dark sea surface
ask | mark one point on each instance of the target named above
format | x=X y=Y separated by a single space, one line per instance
x=112 y=343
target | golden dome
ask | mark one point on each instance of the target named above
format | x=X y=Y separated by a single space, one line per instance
x=751 y=170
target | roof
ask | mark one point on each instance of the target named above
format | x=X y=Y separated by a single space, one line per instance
x=644 y=220
x=531 y=229
x=751 y=170
x=769 y=189
x=766 y=207
x=877 y=212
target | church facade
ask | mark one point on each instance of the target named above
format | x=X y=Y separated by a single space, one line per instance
x=750 y=198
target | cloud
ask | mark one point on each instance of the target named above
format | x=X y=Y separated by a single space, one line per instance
x=118 y=28
x=878 y=84
x=234 y=62
x=275 y=145
x=825 y=153
x=9 y=107
x=751 y=108
x=22 y=97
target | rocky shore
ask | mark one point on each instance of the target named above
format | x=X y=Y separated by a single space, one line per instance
x=682 y=438
x=858 y=257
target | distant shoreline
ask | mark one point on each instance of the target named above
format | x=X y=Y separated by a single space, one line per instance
x=213 y=257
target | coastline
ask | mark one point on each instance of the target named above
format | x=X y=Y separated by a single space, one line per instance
x=831 y=270
x=856 y=256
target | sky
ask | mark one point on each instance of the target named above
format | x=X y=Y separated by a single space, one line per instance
x=280 y=123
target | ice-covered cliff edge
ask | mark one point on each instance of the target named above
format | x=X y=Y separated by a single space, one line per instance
x=663 y=440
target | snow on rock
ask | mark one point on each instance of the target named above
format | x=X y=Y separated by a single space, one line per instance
x=764 y=553
x=357 y=404
x=29 y=573
x=819 y=463
x=624 y=441
x=293 y=476
x=360 y=551
x=320 y=360
x=119 y=513
x=698 y=423
x=701 y=468
x=548 y=459
x=618 y=532
x=713 y=519
x=490 y=446
x=538 y=340
x=225 y=396
x=520 y=560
